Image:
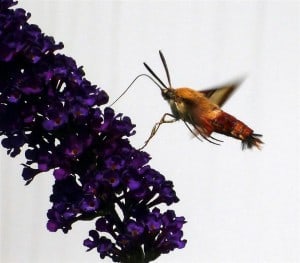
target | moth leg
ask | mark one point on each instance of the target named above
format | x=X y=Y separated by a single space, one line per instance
x=202 y=133
x=189 y=128
x=206 y=138
x=216 y=139
x=157 y=125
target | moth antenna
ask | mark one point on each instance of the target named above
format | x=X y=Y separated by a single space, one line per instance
x=155 y=76
x=166 y=67
x=141 y=75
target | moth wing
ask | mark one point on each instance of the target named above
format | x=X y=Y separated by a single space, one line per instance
x=220 y=94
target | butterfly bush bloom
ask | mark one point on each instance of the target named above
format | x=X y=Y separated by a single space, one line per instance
x=48 y=108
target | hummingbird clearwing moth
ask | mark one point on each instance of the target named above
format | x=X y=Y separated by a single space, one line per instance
x=201 y=110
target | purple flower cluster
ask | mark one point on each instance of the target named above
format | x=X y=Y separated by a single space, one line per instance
x=48 y=107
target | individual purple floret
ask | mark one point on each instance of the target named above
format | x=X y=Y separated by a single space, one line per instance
x=51 y=110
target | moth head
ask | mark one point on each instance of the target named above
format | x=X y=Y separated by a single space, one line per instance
x=168 y=93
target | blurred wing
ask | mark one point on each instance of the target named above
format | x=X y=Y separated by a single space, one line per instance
x=220 y=94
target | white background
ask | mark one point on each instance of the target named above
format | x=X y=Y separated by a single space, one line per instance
x=241 y=206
